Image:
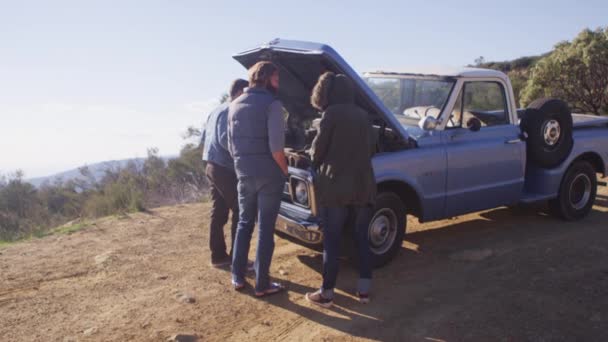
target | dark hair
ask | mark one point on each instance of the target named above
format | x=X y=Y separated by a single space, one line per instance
x=236 y=87
x=320 y=93
x=260 y=73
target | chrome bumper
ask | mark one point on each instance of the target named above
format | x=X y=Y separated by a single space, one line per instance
x=304 y=231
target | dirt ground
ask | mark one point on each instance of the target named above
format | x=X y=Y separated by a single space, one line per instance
x=504 y=274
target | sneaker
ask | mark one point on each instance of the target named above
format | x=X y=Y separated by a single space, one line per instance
x=317 y=298
x=222 y=262
x=363 y=297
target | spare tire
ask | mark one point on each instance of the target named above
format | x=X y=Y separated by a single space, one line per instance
x=548 y=124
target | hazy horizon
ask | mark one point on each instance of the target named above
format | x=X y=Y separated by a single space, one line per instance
x=84 y=82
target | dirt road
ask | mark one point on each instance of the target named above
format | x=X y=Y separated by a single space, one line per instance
x=504 y=274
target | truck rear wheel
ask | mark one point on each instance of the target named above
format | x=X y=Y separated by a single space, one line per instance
x=576 y=192
x=387 y=228
x=548 y=123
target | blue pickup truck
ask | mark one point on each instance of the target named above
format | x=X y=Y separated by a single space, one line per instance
x=447 y=142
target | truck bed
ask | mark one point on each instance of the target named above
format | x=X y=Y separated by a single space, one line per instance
x=580 y=120
x=586 y=120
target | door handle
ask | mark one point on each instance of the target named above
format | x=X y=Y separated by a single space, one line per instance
x=523 y=136
x=513 y=141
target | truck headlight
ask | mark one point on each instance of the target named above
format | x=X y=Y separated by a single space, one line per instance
x=301 y=192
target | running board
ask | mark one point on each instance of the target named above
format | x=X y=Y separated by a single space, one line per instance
x=529 y=198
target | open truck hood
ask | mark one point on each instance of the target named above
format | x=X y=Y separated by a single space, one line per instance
x=301 y=64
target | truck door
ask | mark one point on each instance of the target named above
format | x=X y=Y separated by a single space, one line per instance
x=484 y=152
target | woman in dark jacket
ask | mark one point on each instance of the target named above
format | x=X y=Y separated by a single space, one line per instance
x=341 y=153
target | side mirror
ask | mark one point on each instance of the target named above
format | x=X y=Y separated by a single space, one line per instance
x=474 y=124
x=428 y=123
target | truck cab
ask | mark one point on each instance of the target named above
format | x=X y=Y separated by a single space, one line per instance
x=471 y=114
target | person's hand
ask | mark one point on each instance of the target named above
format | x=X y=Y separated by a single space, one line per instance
x=312 y=171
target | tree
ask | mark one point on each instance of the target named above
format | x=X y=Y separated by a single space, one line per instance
x=576 y=72
x=187 y=174
x=155 y=173
x=224 y=98
x=21 y=211
x=194 y=133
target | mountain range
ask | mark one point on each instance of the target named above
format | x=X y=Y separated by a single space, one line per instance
x=97 y=170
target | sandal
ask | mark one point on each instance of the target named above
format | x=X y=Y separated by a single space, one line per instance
x=274 y=288
x=238 y=286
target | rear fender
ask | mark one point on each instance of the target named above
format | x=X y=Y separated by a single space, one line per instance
x=545 y=183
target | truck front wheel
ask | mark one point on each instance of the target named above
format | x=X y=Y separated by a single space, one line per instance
x=387 y=228
x=576 y=192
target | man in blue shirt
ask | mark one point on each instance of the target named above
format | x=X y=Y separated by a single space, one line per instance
x=222 y=178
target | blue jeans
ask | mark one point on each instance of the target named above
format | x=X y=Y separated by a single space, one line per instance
x=261 y=198
x=333 y=220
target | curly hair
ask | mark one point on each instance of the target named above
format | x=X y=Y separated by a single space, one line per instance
x=260 y=73
x=320 y=93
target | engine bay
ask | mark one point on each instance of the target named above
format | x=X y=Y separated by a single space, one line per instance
x=298 y=74
x=297 y=148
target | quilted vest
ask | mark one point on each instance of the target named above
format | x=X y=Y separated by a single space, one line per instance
x=248 y=134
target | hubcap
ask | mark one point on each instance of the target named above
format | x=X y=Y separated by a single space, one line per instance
x=551 y=132
x=382 y=230
x=580 y=191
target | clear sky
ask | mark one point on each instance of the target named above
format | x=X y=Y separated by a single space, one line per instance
x=87 y=81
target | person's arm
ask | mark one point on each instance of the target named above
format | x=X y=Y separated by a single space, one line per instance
x=229 y=134
x=281 y=160
x=276 y=135
x=204 y=130
x=321 y=142
x=222 y=129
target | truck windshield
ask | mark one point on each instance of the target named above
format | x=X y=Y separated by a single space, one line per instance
x=410 y=99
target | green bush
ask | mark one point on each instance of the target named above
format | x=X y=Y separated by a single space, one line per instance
x=27 y=211
x=576 y=72
x=122 y=195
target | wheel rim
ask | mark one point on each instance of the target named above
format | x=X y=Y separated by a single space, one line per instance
x=382 y=231
x=551 y=132
x=580 y=191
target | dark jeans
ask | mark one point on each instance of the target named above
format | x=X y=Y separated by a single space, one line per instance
x=224 y=198
x=333 y=220
x=257 y=197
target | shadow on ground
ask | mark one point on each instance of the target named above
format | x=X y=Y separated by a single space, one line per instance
x=524 y=285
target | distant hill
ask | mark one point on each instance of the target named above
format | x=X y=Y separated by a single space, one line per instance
x=525 y=62
x=97 y=170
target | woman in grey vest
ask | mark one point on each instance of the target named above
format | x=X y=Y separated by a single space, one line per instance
x=256 y=131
